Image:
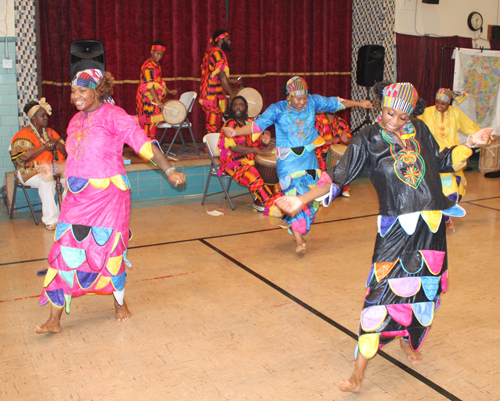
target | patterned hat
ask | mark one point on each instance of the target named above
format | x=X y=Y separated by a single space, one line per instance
x=446 y=95
x=87 y=78
x=296 y=86
x=401 y=96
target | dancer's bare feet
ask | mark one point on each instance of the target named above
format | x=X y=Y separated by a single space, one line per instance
x=414 y=357
x=301 y=249
x=353 y=385
x=53 y=325
x=121 y=312
x=301 y=245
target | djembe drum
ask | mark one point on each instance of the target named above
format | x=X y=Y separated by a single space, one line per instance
x=489 y=157
x=335 y=153
x=254 y=100
x=174 y=112
x=266 y=165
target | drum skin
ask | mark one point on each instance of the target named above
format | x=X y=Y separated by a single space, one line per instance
x=174 y=112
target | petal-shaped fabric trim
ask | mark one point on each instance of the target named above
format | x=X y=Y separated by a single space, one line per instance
x=392 y=334
x=119 y=182
x=382 y=269
x=103 y=282
x=285 y=182
x=432 y=218
x=409 y=222
x=434 y=260
x=291 y=192
x=368 y=344
x=56 y=297
x=430 y=285
x=114 y=264
x=55 y=251
x=80 y=232
x=76 y=184
x=119 y=296
x=126 y=181
x=117 y=240
x=444 y=281
x=298 y=151
x=412 y=262
x=119 y=281
x=49 y=276
x=86 y=279
x=455 y=211
x=447 y=180
x=372 y=317
x=424 y=312
x=73 y=257
x=384 y=224
x=101 y=235
x=67 y=299
x=101 y=183
x=453 y=197
x=417 y=337
x=310 y=147
x=405 y=286
x=376 y=295
x=61 y=229
x=43 y=299
x=401 y=313
x=370 y=275
x=127 y=262
x=68 y=276
x=282 y=153
x=319 y=141
x=146 y=151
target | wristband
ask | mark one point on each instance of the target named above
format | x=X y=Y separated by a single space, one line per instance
x=169 y=170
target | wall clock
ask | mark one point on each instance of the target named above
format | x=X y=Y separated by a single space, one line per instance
x=475 y=21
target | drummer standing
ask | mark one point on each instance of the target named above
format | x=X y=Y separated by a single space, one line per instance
x=215 y=83
x=151 y=91
x=334 y=130
x=237 y=158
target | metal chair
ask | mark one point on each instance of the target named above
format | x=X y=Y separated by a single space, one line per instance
x=19 y=184
x=188 y=99
x=210 y=141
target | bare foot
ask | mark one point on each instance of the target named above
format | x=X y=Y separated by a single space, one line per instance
x=412 y=356
x=53 y=325
x=301 y=249
x=121 y=312
x=353 y=385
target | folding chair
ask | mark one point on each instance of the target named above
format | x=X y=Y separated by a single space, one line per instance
x=188 y=99
x=210 y=141
x=19 y=184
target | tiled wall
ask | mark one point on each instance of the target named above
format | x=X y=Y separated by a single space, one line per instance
x=9 y=124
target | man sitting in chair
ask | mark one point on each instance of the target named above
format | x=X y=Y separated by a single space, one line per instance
x=237 y=159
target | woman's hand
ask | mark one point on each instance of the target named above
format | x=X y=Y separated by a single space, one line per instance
x=229 y=132
x=51 y=144
x=172 y=92
x=177 y=178
x=366 y=104
x=266 y=138
x=289 y=204
x=482 y=136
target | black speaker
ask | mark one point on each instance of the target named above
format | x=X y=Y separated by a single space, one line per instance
x=370 y=67
x=493 y=32
x=86 y=54
x=430 y=1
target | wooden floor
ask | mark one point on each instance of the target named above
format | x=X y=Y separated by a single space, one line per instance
x=223 y=309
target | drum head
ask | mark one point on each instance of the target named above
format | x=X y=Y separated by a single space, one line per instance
x=254 y=100
x=266 y=160
x=338 y=148
x=174 y=112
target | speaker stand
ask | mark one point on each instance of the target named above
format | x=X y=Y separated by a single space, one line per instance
x=367 y=120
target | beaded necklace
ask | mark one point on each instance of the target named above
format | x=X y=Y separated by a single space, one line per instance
x=44 y=137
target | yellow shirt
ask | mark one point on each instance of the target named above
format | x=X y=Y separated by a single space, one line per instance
x=445 y=128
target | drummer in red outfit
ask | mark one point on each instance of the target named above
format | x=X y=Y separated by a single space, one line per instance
x=237 y=159
x=334 y=130
x=151 y=91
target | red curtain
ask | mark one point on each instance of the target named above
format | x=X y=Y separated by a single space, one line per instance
x=274 y=40
x=269 y=38
x=419 y=62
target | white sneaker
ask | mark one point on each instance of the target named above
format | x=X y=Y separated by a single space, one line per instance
x=258 y=208
x=51 y=227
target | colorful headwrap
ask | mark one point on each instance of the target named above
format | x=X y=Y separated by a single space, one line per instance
x=158 y=47
x=90 y=79
x=221 y=36
x=41 y=103
x=446 y=95
x=296 y=86
x=400 y=96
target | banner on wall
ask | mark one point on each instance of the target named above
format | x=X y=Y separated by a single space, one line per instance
x=477 y=73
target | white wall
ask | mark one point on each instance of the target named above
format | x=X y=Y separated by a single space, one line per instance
x=448 y=18
x=7 y=18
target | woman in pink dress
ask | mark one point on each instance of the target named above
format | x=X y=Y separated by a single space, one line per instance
x=90 y=249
